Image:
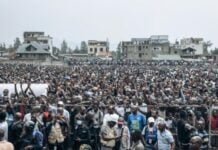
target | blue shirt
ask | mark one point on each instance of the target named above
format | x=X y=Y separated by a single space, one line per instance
x=136 y=122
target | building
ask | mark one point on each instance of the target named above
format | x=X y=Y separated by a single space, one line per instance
x=98 y=48
x=36 y=46
x=144 y=48
x=40 y=38
x=33 y=51
x=192 y=46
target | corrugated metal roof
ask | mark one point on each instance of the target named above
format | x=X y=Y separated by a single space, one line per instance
x=40 y=49
x=167 y=57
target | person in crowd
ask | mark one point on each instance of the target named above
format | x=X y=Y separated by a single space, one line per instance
x=136 y=121
x=31 y=138
x=16 y=130
x=137 y=140
x=82 y=134
x=108 y=135
x=214 y=127
x=123 y=143
x=201 y=132
x=149 y=134
x=5 y=145
x=183 y=131
x=165 y=138
x=196 y=143
x=4 y=124
x=110 y=113
x=55 y=132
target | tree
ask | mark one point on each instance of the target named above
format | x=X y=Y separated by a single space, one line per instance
x=17 y=43
x=83 y=47
x=206 y=46
x=215 y=51
x=76 y=50
x=64 y=47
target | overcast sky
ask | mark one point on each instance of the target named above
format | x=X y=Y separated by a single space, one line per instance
x=77 y=20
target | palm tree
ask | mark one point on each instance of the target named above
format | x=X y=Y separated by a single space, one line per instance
x=207 y=44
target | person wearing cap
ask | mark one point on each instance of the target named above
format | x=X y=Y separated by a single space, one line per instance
x=110 y=113
x=123 y=132
x=60 y=104
x=136 y=121
x=108 y=134
x=164 y=137
x=149 y=134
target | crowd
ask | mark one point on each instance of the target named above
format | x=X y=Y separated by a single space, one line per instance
x=110 y=105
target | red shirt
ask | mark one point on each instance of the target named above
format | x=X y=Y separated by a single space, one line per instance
x=214 y=122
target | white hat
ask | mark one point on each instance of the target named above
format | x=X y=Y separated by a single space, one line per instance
x=112 y=118
x=151 y=119
x=60 y=103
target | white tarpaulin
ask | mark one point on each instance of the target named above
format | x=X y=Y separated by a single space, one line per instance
x=38 y=89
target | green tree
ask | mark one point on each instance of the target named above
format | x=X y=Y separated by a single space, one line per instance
x=215 y=51
x=64 y=47
x=17 y=43
x=119 y=51
x=207 y=45
x=76 y=50
x=83 y=47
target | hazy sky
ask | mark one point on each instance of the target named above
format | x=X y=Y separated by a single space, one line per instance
x=77 y=20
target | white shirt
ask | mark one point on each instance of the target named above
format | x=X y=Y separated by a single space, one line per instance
x=120 y=110
x=165 y=139
x=4 y=126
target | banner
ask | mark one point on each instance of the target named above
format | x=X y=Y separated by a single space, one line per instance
x=38 y=89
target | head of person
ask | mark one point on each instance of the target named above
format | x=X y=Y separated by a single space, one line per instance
x=18 y=116
x=162 y=125
x=82 y=110
x=200 y=125
x=134 y=109
x=120 y=122
x=110 y=109
x=136 y=136
x=5 y=92
x=195 y=143
x=112 y=122
x=95 y=105
x=198 y=115
x=60 y=104
x=60 y=111
x=215 y=113
x=151 y=121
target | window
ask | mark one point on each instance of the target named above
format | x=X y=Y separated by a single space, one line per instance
x=140 y=48
x=101 y=49
x=96 y=50
x=146 y=47
x=140 y=55
x=91 y=49
x=175 y=52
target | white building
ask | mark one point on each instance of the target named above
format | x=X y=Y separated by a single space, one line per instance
x=197 y=44
x=98 y=48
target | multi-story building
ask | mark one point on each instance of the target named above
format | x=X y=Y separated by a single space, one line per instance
x=98 y=48
x=192 y=45
x=144 y=48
